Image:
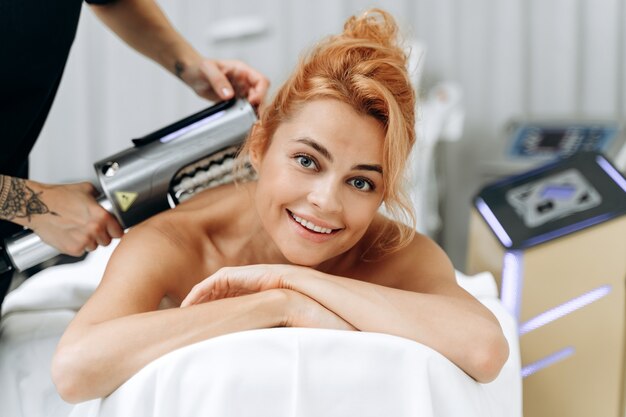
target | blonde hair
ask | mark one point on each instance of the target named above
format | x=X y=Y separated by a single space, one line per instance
x=366 y=68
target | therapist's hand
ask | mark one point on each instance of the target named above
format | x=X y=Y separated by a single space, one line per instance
x=68 y=217
x=223 y=79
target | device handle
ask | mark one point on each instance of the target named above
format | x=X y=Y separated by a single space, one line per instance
x=25 y=249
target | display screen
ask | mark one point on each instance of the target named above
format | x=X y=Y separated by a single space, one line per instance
x=551 y=139
x=552 y=197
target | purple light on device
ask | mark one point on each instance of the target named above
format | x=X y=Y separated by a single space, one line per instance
x=193 y=126
x=558 y=192
x=493 y=222
x=547 y=361
x=612 y=172
x=564 y=309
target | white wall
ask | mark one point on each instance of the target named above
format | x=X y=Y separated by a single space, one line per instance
x=558 y=58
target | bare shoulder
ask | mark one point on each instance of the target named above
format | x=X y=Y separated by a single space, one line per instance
x=169 y=253
x=203 y=215
x=420 y=266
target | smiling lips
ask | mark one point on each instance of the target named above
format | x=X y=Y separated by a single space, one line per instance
x=311 y=226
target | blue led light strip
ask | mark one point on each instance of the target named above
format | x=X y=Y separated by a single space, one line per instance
x=547 y=361
x=564 y=309
x=511 y=292
x=612 y=172
x=493 y=222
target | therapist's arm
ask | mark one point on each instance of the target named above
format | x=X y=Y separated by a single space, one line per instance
x=66 y=216
x=144 y=26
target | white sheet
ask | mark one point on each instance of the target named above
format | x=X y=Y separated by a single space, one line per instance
x=302 y=372
x=27 y=343
x=290 y=372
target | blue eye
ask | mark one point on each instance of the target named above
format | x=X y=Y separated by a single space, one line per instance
x=361 y=184
x=306 y=161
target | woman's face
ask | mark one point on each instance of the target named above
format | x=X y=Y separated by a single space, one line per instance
x=320 y=181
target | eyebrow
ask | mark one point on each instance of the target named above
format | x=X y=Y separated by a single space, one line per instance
x=326 y=154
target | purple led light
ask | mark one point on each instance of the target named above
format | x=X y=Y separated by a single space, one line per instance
x=564 y=309
x=511 y=292
x=493 y=222
x=612 y=172
x=558 y=191
x=193 y=126
x=547 y=361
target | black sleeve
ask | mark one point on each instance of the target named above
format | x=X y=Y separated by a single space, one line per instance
x=99 y=1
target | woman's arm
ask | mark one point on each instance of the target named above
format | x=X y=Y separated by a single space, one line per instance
x=430 y=307
x=119 y=331
x=94 y=359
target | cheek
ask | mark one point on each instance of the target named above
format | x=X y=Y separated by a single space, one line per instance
x=274 y=187
x=361 y=212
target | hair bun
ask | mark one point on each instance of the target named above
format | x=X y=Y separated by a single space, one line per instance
x=375 y=25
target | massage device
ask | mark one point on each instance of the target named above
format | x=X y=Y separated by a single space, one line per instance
x=159 y=171
x=555 y=239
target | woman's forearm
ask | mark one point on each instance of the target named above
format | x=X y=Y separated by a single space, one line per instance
x=93 y=360
x=458 y=327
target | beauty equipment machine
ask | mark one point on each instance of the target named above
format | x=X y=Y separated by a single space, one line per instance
x=555 y=239
x=159 y=171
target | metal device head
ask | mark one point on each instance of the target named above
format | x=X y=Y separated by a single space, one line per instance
x=159 y=171
x=145 y=179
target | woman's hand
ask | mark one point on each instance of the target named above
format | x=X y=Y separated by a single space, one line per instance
x=299 y=310
x=302 y=311
x=240 y=280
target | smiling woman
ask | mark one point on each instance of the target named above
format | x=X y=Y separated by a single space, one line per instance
x=303 y=245
x=320 y=182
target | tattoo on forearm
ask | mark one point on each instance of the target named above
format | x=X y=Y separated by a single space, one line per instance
x=179 y=68
x=18 y=200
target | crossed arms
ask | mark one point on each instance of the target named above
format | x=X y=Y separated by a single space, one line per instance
x=121 y=329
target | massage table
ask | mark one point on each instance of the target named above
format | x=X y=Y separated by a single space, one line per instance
x=269 y=372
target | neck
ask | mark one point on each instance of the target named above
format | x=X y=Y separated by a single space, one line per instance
x=256 y=243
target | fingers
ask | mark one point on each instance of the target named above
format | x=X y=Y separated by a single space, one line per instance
x=258 y=87
x=218 y=80
x=247 y=81
x=226 y=79
x=113 y=228
x=217 y=286
x=234 y=282
x=91 y=246
x=200 y=293
x=103 y=228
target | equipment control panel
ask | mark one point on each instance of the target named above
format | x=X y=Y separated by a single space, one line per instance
x=560 y=139
x=553 y=200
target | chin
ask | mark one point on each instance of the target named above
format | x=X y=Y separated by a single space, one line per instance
x=302 y=259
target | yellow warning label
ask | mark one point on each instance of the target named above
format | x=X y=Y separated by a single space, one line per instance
x=125 y=199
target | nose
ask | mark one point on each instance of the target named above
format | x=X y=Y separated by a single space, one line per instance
x=325 y=195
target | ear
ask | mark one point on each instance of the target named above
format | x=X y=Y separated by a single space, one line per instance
x=254 y=158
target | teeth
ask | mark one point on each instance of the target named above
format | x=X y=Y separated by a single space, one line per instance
x=310 y=225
